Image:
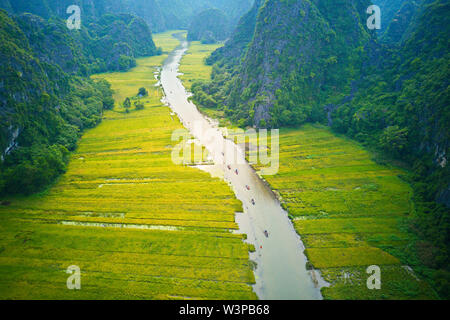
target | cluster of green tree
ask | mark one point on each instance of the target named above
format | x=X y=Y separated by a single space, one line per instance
x=160 y=15
x=136 y=101
x=43 y=111
x=316 y=61
x=209 y=26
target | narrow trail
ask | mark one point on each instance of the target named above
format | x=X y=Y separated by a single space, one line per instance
x=281 y=264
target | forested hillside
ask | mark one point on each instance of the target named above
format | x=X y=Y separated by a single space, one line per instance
x=160 y=15
x=236 y=46
x=301 y=54
x=43 y=110
x=209 y=26
x=401 y=104
x=331 y=69
x=46 y=98
x=110 y=44
x=317 y=62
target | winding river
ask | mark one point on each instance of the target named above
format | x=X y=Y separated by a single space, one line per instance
x=281 y=272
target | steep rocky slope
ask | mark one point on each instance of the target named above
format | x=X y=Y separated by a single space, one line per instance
x=236 y=46
x=111 y=43
x=46 y=100
x=317 y=61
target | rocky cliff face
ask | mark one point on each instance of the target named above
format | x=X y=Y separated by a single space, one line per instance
x=300 y=46
x=97 y=47
x=42 y=108
x=11 y=136
x=317 y=61
x=236 y=46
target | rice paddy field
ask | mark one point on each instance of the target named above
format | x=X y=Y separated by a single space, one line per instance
x=349 y=211
x=137 y=225
x=141 y=227
x=193 y=67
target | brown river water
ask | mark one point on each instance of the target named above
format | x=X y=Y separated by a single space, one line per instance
x=281 y=272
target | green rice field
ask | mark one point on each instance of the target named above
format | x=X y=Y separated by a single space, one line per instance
x=141 y=227
x=349 y=211
x=193 y=67
x=137 y=225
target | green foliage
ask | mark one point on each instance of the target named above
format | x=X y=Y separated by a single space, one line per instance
x=110 y=43
x=393 y=140
x=159 y=15
x=209 y=27
x=34 y=168
x=43 y=109
x=127 y=103
x=201 y=97
x=138 y=105
x=126 y=62
x=143 y=92
x=105 y=88
x=317 y=62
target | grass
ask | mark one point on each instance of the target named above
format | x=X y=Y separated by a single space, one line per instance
x=166 y=41
x=193 y=67
x=138 y=226
x=349 y=211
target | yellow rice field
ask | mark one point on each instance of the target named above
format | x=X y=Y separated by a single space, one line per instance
x=349 y=211
x=137 y=225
